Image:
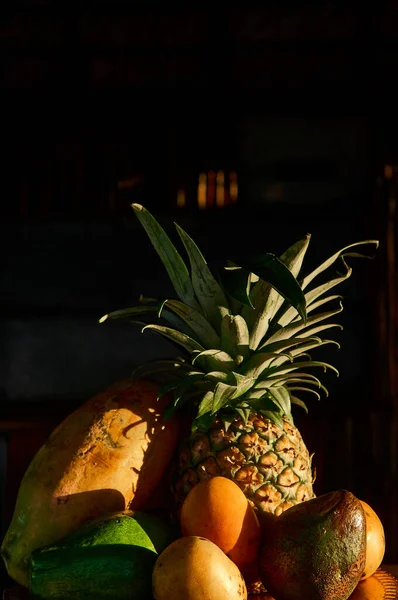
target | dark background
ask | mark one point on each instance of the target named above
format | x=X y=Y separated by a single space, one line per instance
x=110 y=103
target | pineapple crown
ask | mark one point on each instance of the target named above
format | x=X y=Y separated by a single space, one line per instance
x=245 y=335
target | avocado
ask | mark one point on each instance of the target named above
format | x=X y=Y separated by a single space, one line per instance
x=315 y=550
x=111 y=557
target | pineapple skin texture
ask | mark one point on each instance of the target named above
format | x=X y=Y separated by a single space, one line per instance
x=272 y=466
x=107 y=456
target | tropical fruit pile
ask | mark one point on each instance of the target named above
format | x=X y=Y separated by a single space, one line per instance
x=189 y=480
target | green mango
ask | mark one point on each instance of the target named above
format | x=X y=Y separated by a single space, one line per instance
x=111 y=557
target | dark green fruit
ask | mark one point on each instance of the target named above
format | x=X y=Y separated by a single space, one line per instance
x=315 y=550
x=112 y=557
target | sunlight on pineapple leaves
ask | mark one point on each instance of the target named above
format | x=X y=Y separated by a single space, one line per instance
x=246 y=333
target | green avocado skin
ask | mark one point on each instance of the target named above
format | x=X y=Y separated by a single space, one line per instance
x=111 y=557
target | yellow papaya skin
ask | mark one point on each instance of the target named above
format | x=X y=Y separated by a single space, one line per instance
x=108 y=455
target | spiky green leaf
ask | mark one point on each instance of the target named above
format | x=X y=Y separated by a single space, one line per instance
x=207 y=289
x=202 y=423
x=281 y=397
x=299 y=402
x=227 y=418
x=293 y=377
x=317 y=292
x=279 y=346
x=255 y=394
x=204 y=332
x=311 y=305
x=274 y=416
x=175 y=321
x=222 y=395
x=127 y=313
x=189 y=396
x=189 y=344
x=293 y=257
x=259 y=362
x=266 y=300
x=178 y=323
x=158 y=310
x=217 y=376
x=313 y=330
x=244 y=413
x=309 y=345
x=273 y=271
x=263 y=298
x=288 y=314
x=236 y=282
x=189 y=380
x=300 y=380
x=303 y=388
x=243 y=385
x=206 y=404
x=341 y=253
x=294 y=328
x=299 y=365
x=301 y=350
x=174 y=264
x=260 y=401
x=215 y=360
x=227 y=335
x=288 y=379
x=235 y=337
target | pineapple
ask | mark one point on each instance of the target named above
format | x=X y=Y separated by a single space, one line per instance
x=245 y=338
x=268 y=461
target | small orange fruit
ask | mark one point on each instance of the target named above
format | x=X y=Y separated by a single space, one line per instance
x=368 y=589
x=218 y=510
x=375 y=541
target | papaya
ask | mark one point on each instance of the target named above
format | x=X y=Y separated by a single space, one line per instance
x=107 y=456
x=110 y=557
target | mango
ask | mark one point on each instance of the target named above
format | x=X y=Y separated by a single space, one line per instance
x=193 y=568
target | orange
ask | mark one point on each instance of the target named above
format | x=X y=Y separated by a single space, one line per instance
x=368 y=589
x=218 y=510
x=375 y=541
